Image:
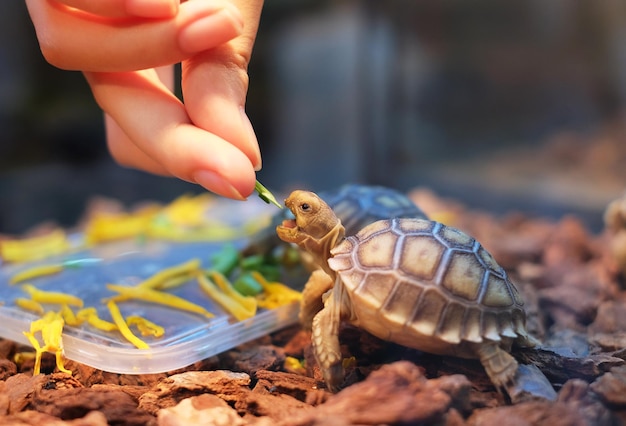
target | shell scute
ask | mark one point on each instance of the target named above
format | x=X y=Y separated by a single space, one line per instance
x=373 y=288
x=420 y=257
x=430 y=308
x=454 y=238
x=490 y=329
x=415 y=226
x=377 y=251
x=487 y=259
x=497 y=293
x=472 y=328
x=463 y=275
x=451 y=323
x=400 y=304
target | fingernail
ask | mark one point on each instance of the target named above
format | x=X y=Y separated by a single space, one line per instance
x=252 y=140
x=216 y=183
x=212 y=30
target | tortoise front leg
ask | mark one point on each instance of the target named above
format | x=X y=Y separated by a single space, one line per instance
x=325 y=336
x=312 y=302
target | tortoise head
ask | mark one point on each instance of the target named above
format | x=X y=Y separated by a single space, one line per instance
x=315 y=228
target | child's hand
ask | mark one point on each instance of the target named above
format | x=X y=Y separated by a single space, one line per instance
x=126 y=48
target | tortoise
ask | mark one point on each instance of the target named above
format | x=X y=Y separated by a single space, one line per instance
x=356 y=206
x=412 y=281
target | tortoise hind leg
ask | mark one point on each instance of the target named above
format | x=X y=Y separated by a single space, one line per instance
x=499 y=365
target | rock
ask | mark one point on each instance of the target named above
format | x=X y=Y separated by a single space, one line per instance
x=18 y=391
x=7 y=369
x=262 y=357
x=586 y=404
x=204 y=410
x=530 y=383
x=35 y=418
x=71 y=403
x=527 y=414
x=397 y=393
x=170 y=391
x=611 y=387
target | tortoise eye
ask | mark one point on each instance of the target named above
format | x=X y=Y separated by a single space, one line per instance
x=305 y=207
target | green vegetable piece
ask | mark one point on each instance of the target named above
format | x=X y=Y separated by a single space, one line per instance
x=266 y=195
x=226 y=260
x=252 y=262
x=270 y=272
x=247 y=285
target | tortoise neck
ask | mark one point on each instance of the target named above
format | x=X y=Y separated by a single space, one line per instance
x=326 y=244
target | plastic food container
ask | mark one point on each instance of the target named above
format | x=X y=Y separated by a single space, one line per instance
x=188 y=337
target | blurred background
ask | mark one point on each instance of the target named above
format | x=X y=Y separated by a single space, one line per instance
x=516 y=105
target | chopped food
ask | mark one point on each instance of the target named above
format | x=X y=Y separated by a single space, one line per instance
x=35 y=248
x=159 y=297
x=55 y=297
x=50 y=326
x=228 y=298
x=123 y=327
x=36 y=272
x=145 y=327
x=164 y=277
x=275 y=294
x=90 y=315
x=29 y=305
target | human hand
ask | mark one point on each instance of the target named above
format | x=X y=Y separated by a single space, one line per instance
x=125 y=49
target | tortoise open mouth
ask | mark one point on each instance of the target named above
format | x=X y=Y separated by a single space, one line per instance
x=289 y=223
x=288 y=231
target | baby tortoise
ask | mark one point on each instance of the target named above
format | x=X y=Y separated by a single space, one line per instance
x=411 y=281
x=355 y=205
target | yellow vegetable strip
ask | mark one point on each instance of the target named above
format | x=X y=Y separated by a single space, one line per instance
x=36 y=272
x=69 y=317
x=162 y=277
x=29 y=305
x=159 y=297
x=118 y=319
x=36 y=248
x=175 y=282
x=51 y=328
x=249 y=303
x=42 y=296
x=91 y=316
x=145 y=327
x=188 y=210
x=231 y=305
x=108 y=227
x=275 y=294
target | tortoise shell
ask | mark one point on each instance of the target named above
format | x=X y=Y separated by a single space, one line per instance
x=428 y=286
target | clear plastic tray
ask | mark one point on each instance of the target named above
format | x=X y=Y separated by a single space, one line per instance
x=188 y=337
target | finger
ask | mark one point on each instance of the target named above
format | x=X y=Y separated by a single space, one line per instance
x=122 y=148
x=109 y=45
x=124 y=8
x=126 y=153
x=215 y=84
x=157 y=123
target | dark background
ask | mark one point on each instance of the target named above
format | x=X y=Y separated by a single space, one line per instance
x=401 y=93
